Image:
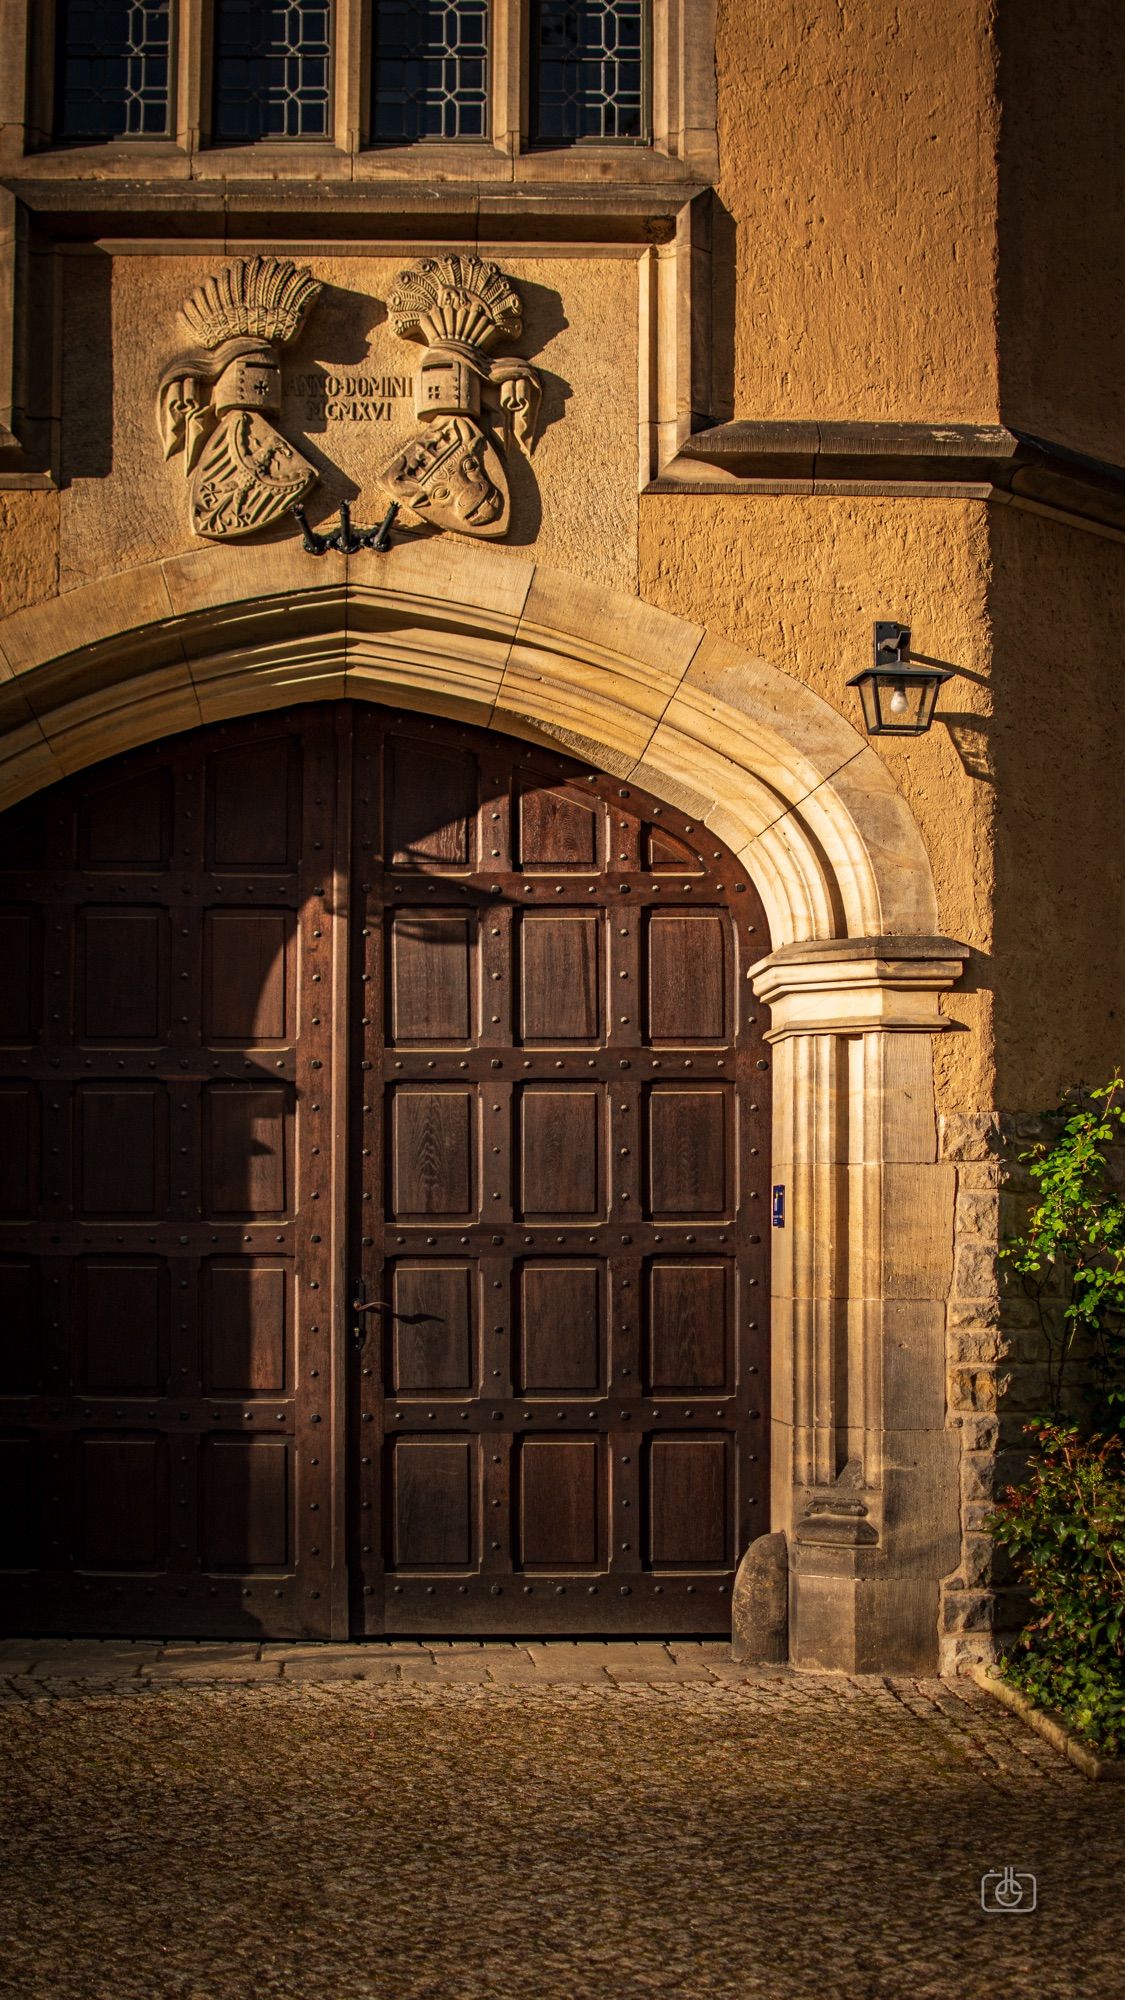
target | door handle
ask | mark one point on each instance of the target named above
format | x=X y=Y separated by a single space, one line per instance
x=362 y=1306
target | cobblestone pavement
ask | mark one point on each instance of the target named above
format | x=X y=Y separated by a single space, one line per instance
x=460 y=1822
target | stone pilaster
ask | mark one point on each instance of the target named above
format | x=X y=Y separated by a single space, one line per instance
x=864 y=1468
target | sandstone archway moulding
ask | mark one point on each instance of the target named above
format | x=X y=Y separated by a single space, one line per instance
x=495 y=641
x=864 y=1473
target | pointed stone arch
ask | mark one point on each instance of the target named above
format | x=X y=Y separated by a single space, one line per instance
x=865 y=1471
x=782 y=778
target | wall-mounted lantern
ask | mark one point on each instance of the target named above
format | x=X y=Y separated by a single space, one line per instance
x=898 y=697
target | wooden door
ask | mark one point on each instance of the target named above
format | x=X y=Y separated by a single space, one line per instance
x=167 y=1434
x=561 y=1194
x=333 y=1010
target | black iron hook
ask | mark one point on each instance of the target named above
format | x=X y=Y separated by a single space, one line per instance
x=347 y=539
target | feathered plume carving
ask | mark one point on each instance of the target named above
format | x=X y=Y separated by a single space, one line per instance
x=262 y=296
x=456 y=298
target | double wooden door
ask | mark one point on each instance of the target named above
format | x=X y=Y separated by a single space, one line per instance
x=383 y=1193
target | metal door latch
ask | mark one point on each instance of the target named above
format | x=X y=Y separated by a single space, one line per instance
x=361 y=1306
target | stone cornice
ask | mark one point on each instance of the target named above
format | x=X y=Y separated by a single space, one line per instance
x=849 y=985
x=979 y=461
x=340 y=209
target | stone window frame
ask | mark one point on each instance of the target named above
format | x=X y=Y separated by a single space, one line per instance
x=683 y=142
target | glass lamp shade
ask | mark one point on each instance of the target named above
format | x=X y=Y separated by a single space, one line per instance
x=898 y=700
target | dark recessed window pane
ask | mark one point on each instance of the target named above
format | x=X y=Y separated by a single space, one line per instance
x=590 y=71
x=113 y=67
x=272 y=70
x=430 y=70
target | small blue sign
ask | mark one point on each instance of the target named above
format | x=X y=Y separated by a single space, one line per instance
x=779 y=1208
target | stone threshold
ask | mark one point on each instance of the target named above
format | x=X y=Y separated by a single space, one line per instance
x=1050 y=1727
x=29 y=1663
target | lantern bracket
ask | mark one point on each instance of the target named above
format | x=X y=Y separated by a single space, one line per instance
x=892 y=643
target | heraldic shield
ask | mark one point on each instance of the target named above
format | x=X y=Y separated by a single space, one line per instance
x=451 y=473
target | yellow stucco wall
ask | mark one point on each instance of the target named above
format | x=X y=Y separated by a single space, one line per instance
x=800 y=581
x=927 y=205
x=1057 y=604
x=857 y=149
x=1061 y=198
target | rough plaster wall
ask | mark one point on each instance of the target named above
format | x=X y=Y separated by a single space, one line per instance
x=800 y=582
x=1062 y=247
x=857 y=149
x=1057 y=602
x=1058 y=967
x=29 y=541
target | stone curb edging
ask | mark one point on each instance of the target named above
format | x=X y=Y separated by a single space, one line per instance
x=1053 y=1730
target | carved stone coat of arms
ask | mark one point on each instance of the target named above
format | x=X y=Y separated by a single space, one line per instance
x=472 y=408
x=216 y=399
x=451 y=472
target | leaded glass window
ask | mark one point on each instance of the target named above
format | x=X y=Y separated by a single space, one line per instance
x=272 y=70
x=113 y=65
x=590 y=64
x=430 y=74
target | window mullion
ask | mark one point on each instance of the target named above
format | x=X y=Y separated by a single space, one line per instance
x=351 y=40
x=510 y=41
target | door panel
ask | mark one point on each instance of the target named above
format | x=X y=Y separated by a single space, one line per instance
x=246 y=1325
x=125 y=822
x=21 y=989
x=248 y=992
x=121 y=1150
x=560 y=976
x=333 y=995
x=122 y=976
x=121 y=1321
x=431 y=977
x=560 y=1150
x=432 y=1338
x=690 y=1338
x=19 y=1151
x=561 y=1509
x=433 y=1491
x=561 y=1320
x=689 y=1515
x=432 y=1151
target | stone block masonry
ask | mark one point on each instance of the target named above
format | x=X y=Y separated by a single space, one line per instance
x=997 y=1373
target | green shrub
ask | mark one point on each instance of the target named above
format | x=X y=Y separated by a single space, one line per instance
x=1065 y=1531
x=1071 y=1255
